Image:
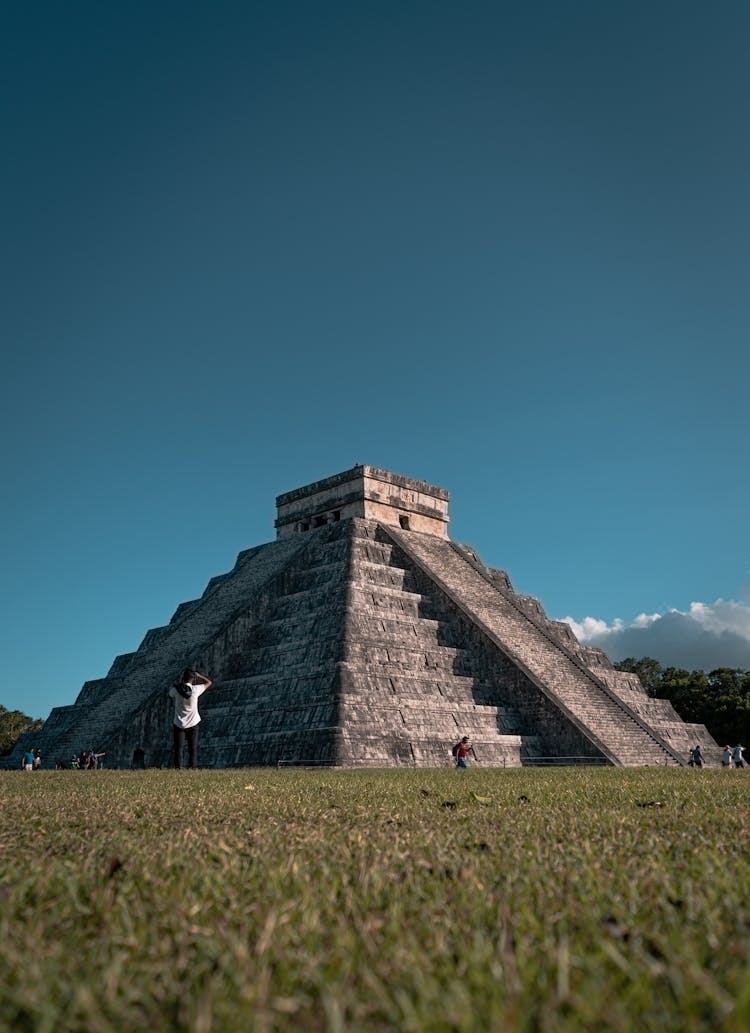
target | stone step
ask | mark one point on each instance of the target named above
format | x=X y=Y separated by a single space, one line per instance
x=365 y=572
x=366 y=549
x=394 y=659
x=318 y=578
x=403 y=632
x=283 y=631
x=322 y=599
x=379 y=598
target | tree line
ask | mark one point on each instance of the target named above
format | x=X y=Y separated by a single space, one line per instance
x=720 y=700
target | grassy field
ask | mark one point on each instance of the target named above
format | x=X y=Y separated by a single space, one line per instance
x=252 y=900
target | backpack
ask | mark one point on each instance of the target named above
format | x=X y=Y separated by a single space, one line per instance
x=454 y=749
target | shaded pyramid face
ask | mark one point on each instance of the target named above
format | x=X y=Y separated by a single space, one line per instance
x=359 y=643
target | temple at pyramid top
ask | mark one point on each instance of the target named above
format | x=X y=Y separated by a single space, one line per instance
x=367 y=492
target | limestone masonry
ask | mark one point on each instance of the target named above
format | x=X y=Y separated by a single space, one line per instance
x=363 y=636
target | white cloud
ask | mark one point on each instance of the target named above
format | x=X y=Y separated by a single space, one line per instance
x=723 y=616
x=591 y=628
x=708 y=636
x=644 y=619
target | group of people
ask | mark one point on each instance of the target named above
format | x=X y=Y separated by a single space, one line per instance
x=185 y=692
x=88 y=760
x=731 y=756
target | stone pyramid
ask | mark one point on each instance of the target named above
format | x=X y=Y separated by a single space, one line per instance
x=363 y=636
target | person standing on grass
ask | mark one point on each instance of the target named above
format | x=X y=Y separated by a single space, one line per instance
x=696 y=756
x=27 y=761
x=739 y=760
x=726 y=757
x=185 y=693
x=37 y=760
x=462 y=752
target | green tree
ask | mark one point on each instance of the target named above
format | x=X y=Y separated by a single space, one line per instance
x=688 y=691
x=730 y=704
x=720 y=700
x=12 y=724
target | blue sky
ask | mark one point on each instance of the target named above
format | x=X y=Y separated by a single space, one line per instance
x=500 y=247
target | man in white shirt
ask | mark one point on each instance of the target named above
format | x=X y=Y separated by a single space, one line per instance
x=185 y=693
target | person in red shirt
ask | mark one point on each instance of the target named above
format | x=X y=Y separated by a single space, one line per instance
x=462 y=752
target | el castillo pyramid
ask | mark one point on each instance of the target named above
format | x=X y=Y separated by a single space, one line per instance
x=363 y=636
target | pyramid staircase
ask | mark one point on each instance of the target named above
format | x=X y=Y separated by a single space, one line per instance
x=622 y=736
